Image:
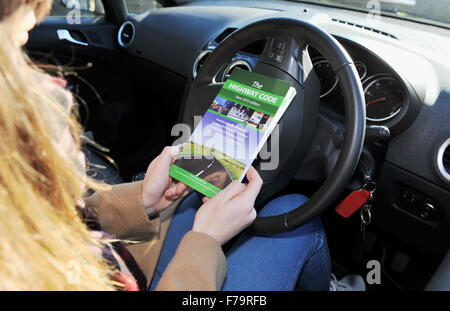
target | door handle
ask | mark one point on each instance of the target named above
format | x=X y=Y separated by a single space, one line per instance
x=64 y=35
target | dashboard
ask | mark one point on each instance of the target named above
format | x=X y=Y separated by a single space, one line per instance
x=389 y=101
x=405 y=75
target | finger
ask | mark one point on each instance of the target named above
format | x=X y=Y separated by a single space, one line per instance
x=176 y=150
x=205 y=199
x=230 y=191
x=254 y=185
x=179 y=195
x=176 y=190
x=180 y=188
x=185 y=193
x=252 y=215
x=168 y=156
x=169 y=193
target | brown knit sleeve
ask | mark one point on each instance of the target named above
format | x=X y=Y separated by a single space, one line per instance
x=120 y=212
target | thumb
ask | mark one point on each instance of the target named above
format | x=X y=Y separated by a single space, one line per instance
x=168 y=155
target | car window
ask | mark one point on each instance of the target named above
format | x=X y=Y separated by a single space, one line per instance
x=74 y=10
x=141 y=6
x=433 y=11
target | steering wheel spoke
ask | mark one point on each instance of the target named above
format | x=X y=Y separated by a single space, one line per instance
x=285 y=53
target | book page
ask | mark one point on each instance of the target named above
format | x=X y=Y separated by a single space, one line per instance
x=230 y=134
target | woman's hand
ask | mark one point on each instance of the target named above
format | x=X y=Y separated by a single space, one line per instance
x=229 y=211
x=158 y=188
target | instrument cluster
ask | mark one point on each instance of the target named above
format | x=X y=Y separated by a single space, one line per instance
x=384 y=94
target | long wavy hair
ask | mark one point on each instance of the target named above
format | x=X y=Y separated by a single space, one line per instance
x=44 y=245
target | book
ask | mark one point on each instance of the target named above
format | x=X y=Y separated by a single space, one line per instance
x=232 y=131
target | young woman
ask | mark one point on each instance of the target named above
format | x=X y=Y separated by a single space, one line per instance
x=45 y=245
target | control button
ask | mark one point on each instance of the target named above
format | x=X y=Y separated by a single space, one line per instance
x=278 y=57
x=279 y=45
x=427 y=210
x=408 y=197
x=275 y=56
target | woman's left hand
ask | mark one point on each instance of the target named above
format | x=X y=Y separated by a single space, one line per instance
x=159 y=190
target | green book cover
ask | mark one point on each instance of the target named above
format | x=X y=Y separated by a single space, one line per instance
x=232 y=131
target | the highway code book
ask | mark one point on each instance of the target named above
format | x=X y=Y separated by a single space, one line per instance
x=232 y=131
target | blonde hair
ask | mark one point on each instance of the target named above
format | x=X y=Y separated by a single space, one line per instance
x=44 y=245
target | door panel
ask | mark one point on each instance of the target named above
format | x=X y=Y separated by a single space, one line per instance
x=97 y=34
x=94 y=71
x=129 y=110
x=94 y=62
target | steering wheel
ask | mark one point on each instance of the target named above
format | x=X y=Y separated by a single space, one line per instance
x=285 y=57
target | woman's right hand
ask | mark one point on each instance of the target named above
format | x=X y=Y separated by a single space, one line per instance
x=231 y=210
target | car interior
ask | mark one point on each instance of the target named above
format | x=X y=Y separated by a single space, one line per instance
x=372 y=108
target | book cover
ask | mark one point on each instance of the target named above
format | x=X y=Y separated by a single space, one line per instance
x=232 y=131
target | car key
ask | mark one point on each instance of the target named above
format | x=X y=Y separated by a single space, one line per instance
x=365 y=212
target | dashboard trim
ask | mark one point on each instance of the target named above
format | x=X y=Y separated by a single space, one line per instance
x=197 y=61
x=440 y=160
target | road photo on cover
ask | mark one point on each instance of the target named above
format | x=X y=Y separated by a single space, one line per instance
x=232 y=131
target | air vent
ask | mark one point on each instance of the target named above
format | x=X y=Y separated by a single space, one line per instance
x=126 y=34
x=199 y=61
x=364 y=27
x=443 y=160
x=240 y=63
x=446 y=159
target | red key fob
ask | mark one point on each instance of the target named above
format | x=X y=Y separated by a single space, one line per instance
x=352 y=203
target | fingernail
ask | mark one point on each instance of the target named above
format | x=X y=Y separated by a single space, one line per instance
x=175 y=150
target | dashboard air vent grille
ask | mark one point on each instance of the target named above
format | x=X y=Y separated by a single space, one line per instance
x=443 y=159
x=364 y=27
x=240 y=63
x=446 y=159
x=126 y=34
x=199 y=61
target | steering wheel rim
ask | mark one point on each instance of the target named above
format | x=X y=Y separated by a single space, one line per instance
x=303 y=34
